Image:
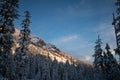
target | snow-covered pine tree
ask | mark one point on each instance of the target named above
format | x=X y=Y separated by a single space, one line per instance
x=116 y=23
x=38 y=69
x=111 y=69
x=45 y=69
x=80 y=69
x=22 y=58
x=32 y=65
x=72 y=72
x=8 y=12
x=25 y=32
x=65 y=74
x=54 y=70
x=98 y=61
x=98 y=55
x=60 y=70
x=65 y=70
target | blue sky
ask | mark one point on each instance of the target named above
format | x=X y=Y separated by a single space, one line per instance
x=71 y=25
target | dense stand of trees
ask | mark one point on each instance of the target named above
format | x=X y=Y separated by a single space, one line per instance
x=40 y=67
x=104 y=63
x=24 y=65
x=8 y=12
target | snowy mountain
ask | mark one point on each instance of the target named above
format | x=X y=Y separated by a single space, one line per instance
x=39 y=46
x=43 y=61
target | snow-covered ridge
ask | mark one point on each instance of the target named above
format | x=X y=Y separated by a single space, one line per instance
x=39 y=46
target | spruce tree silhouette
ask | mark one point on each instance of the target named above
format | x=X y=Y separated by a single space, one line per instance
x=21 y=56
x=8 y=13
x=111 y=69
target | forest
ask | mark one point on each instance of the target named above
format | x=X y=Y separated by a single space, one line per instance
x=24 y=64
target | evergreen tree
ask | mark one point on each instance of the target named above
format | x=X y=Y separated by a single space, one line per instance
x=32 y=65
x=111 y=69
x=116 y=23
x=25 y=32
x=22 y=58
x=54 y=70
x=38 y=67
x=80 y=72
x=98 y=55
x=72 y=72
x=8 y=12
x=46 y=70
x=98 y=61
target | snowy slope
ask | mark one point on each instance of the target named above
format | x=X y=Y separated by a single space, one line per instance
x=39 y=46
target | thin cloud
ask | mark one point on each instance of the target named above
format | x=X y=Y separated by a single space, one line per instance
x=65 y=39
x=88 y=57
x=85 y=58
x=74 y=45
x=69 y=38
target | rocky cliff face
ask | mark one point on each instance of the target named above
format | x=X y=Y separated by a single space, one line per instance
x=39 y=46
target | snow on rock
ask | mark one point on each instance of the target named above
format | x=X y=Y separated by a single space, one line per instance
x=40 y=43
x=39 y=46
x=17 y=32
x=37 y=41
x=49 y=46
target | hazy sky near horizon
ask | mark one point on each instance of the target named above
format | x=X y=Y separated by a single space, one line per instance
x=71 y=25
